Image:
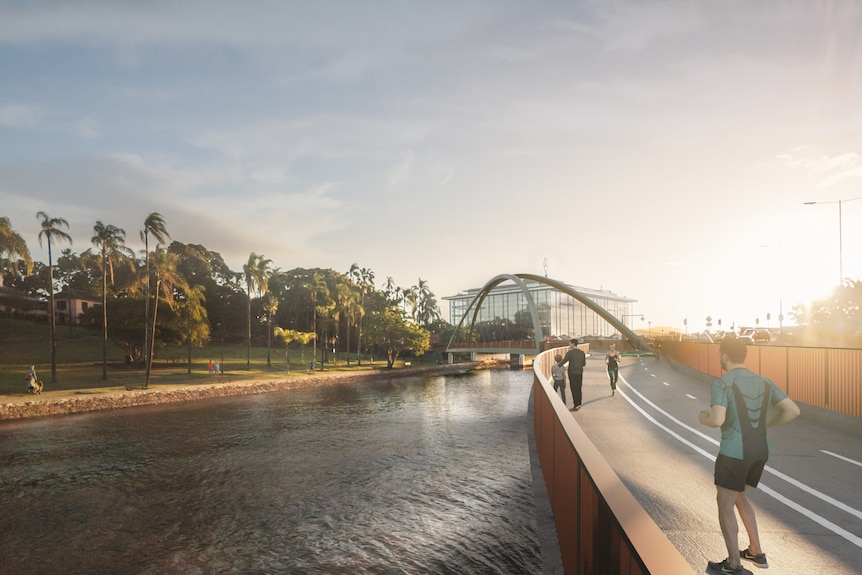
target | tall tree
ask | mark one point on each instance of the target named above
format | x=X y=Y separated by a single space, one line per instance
x=13 y=247
x=394 y=293
x=270 y=306
x=52 y=233
x=154 y=225
x=197 y=329
x=411 y=296
x=256 y=277
x=346 y=301
x=167 y=280
x=364 y=278
x=427 y=310
x=318 y=292
x=111 y=243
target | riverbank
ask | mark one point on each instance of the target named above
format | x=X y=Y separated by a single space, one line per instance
x=81 y=401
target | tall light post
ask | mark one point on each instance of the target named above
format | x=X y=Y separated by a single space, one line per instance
x=780 y=286
x=840 y=235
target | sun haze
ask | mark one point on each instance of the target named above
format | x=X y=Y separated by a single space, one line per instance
x=662 y=150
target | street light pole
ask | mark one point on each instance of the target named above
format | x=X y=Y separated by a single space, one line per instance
x=840 y=234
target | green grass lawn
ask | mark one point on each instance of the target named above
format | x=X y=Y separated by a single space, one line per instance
x=79 y=361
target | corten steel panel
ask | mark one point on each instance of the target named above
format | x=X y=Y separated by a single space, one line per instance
x=545 y=421
x=830 y=378
x=752 y=359
x=588 y=506
x=715 y=360
x=806 y=375
x=565 y=501
x=703 y=357
x=773 y=365
x=845 y=381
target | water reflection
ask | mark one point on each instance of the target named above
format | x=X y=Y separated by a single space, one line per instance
x=404 y=475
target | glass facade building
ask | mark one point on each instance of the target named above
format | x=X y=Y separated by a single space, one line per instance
x=503 y=315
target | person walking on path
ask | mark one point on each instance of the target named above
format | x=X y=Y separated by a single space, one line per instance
x=612 y=360
x=559 y=375
x=31 y=378
x=576 y=359
x=740 y=400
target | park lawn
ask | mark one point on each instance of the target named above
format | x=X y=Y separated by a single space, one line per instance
x=79 y=361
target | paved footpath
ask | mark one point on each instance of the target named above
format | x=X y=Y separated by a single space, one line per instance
x=809 y=503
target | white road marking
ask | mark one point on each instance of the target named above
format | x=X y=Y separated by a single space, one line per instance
x=853 y=461
x=790 y=503
x=690 y=396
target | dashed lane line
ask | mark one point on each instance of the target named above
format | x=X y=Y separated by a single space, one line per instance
x=847 y=459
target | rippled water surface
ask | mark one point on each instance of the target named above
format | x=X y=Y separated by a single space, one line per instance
x=408 y=475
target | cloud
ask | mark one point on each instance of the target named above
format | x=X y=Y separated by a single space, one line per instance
x=400 y=175
x=831 y=170
x=21 y=116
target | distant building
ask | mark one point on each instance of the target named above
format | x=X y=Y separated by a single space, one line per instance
x=503 y=314
x=70 y=305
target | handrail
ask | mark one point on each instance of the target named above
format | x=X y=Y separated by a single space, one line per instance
x=601 y=527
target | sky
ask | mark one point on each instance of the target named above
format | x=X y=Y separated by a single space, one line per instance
x=662 y=150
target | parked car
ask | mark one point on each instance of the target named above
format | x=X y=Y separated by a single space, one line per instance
x=752 y=336
x=761 y=336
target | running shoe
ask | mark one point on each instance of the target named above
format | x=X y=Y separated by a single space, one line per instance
x=724 y=568
x=759 y=559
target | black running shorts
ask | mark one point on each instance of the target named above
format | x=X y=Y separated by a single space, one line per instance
x=735 y=474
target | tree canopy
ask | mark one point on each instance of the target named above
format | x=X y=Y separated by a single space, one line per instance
x=185 y=294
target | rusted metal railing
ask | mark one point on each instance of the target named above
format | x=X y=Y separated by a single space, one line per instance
x=829 y=378
x=601 y=527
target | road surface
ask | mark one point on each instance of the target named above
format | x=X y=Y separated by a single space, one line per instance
x=809 y=502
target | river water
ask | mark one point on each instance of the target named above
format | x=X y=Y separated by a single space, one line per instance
x=403 y=475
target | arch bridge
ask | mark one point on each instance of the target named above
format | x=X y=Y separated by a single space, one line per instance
x=488 y=337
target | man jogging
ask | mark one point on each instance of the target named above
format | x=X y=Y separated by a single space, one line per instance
x=739 y=401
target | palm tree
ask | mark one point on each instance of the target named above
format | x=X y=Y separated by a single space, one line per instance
x=410 y=295
x=365 y=278
x=427 y=310
x=167 y=278
x=395 y=294
x=347 y=301
x=270 y=306
x=52 y=233
x=193 y=305
x=256 y=277
x=318 y=291
x=111 y=242
x=155 y=225
x=13 y=246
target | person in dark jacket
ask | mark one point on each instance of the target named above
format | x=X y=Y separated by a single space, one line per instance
x=576 y=359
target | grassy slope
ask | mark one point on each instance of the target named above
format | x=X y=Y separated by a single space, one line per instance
x=79 y=359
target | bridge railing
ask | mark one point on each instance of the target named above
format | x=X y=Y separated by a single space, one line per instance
x=829 y=378
x=601 y=527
